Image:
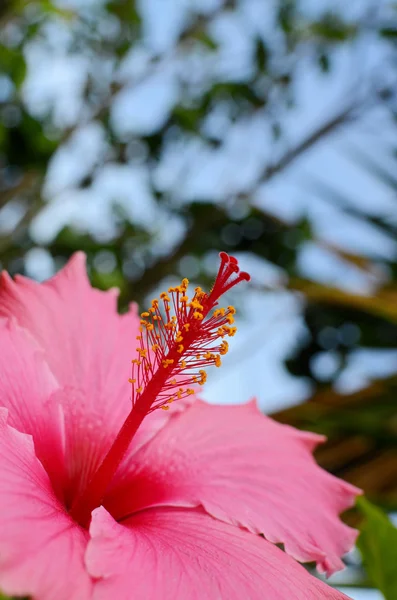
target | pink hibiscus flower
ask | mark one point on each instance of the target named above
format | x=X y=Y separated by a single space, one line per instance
x=102 y=499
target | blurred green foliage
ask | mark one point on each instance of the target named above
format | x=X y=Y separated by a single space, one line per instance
x=378 y=546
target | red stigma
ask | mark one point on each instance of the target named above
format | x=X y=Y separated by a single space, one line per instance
x=228 y=276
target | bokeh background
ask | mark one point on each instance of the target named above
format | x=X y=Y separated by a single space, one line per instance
x=153 y=134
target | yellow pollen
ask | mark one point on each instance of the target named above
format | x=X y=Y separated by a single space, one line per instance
x=135 y=361
x=183 y=364
x=186 y=326
x=196 y=305
x=217 y=361
x=180 y=349
x=198 y=316
x=173 y=381
x=142 y=352
x=167 y=362
x=232 y=331
x=184 y=299
x=145 y=314
x=203 y=377
x=224 y=347
x=164 y=296
x=232 y=310
x=155 y=303
x=139 y=390
x=219 y=312
x=221 y=332
x=165 y=407
x=189 y=391
x=155 y=347
x=230 y=319
x=132 y=381
x=139 y=338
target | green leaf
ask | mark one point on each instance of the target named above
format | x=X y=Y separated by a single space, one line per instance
x=378 y=546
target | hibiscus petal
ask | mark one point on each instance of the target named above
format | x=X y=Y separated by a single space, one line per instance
x=41 y=549
x=88 y=347
x=185 y=554
x=245 y=469
x=26 y=386
x=87 y=344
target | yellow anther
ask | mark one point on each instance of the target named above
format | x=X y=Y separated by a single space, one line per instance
x=186 y=326
x=209 y=356
x=203 y=377
x=184 y=299
x=221 y=331
x=152 y=310
x=179 y=393
x=155 y=347
x=165 y=407
x=155 y=303
x=198 y=316
x=198 y=356
x=135 y=361
x=224 y=347
x=139 y=338
x=189 y=391
x=142 y=352
x=145 y=314
x=149 y=326
x=157 y=318
x=170 y=400
x=217 y=361
x=171 y=290
x=164 y=296
x=179 y=339
x=232 y=331
x=132 y=381
x=180 y=349
x=167 y=362
x=142 y=322
x=230 y=319
x=173 y=381
x=231 y=309
x=139 y=390
x=219 y=312
x=185 y=282
x=183 y=364
x=195 y=304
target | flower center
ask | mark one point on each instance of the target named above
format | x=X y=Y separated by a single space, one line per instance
x=175 y=344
